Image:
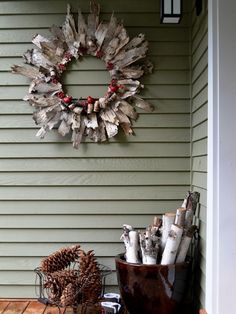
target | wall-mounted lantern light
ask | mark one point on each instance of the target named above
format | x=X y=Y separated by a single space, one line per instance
x=171 y=11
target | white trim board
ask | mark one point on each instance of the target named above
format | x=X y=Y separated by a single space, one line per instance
x=221 y=212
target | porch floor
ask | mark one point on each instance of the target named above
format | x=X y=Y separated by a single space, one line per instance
x=32 y=306
x=22 y=306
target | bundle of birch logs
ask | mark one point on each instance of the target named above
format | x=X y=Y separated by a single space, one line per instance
x=167 y=240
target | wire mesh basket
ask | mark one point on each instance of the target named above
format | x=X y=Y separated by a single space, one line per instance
x=43 y=293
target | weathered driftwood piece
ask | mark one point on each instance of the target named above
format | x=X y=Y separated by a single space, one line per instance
x=128 y=88
x=58 y=33
x=172 y=245
x=110 y=32
x=180 y=216
x=82 y=30
x=130 y=238
x=36 y=58
x=78 y=131
x=124 y=122
x=100 y=33
x=110 y=116
x=132 y=44
x=126 y=127
x=52 y=53
x=44 y=115
x=185 y=244
x=38 y=39
x=111 y=129
x=91 y=121
x=40 y=102
x=70 y=32
x=64 y=128
x=104 y=102
x=49 y=124
x=135 y=42
x=120 y=39
x=39 y=86
x=30 y=72
x=93 y=20
x=125 y=58
x=140 y=103
x=101 y=132
x=66 y=121
x=132 y=72
x=149 y=243
x=127 y=109
x=122 y=117
x=167 y=221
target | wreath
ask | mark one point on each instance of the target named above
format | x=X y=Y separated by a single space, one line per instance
x=125 y=59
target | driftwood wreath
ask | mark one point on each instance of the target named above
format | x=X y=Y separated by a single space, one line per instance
x=98 y=119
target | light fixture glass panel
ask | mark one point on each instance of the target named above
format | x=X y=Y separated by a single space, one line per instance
x=167 y=6
x=170 y=20
x=176 y=6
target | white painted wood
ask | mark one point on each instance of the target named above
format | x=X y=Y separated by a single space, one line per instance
x=221 y=212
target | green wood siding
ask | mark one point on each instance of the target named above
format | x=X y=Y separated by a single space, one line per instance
x=52 y=195
x=199 y=82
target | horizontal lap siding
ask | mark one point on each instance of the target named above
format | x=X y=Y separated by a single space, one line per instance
x=52 y=195
x=199 y=81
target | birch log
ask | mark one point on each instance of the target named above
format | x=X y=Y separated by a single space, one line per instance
x=157 y=224
x=188 y=218
x=191 y=200
x=172 y=245
x=190 y=203
x=185 y=244
x=131 y=241
x=149 y=244
x=167 y=221
x=180 y=216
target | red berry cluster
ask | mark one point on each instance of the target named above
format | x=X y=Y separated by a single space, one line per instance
x=60 y=95
x=114 y=87
x=90 y=100
x=61 y=67
x=68 y=56
x=54 y=80
x=70 y=104
x=67 y=99
x=99 y=54
x=110 y=66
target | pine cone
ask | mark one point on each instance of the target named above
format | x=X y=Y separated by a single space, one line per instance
x=58 y=281
x=60 y=259
x=64 y=277
x=68 y=295
x=90 y=283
